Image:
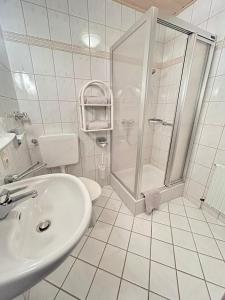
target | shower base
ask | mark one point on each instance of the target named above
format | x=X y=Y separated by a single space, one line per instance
x=137 y=206
x=152 y=177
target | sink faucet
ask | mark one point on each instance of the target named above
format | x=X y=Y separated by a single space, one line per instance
x=16 y=177
x=8 y=202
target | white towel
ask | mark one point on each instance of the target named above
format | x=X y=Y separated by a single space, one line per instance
x=98 y=124
x=152 y=200
x=96 y=100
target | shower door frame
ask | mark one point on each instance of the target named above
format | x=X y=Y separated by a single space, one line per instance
x=194 y=33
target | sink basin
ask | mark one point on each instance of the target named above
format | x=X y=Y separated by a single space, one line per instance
x=28 y=254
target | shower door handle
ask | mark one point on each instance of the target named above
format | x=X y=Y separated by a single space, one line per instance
x=164 y=123
x=159 y=121
x=154 y=121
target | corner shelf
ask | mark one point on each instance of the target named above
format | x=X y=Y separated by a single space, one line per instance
x=88 y=111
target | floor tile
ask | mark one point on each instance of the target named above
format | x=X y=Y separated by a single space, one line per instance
x=101 y=201
x=177 y=201
x=79 y=246
x=163 y=281
x=188 y=261
x=58 y=276
x=195 y=213
x=97 y=211
x=105 y=286
x=136 y=270
x=162 y=252
x=124 y=221
x=125 y=210
x=140 y=245
x=145 y=216
x=113 y=204
x=92 y=251
x=142 y=226
x=153 y=296
x=79 y=279
x=119 y=237
x=200 y=227
x=177 y=209
x=164 y=207
x=188 y=203
x=108 y=216
x=106 y=192
x=43 y=290
x=213 y=269
x=183 y=239
x=129 y=291
x=101 y=231
x=113 y=260
x=64 y=296
x=191 y=287
x=161 y=217
x=179 y=222
x=216 y=292
x=218 y=231
x=161 y=232
x=211 y=219
x=221 y=246
x=206 y=245
x=114 y=195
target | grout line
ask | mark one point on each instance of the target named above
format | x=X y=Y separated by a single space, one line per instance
x=199 y=260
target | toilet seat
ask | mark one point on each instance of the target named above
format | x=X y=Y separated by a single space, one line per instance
x=93 y=187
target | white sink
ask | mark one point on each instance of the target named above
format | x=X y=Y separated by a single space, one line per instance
x=26 y=255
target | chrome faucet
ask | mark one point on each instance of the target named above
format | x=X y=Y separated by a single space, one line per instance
x=8 y=202
x=16 y=177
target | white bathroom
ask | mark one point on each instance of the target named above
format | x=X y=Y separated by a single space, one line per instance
x=112 y=149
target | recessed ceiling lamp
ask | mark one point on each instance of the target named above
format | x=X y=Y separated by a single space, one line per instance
x=94 y=39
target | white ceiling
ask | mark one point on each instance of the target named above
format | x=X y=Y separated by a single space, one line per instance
x=170 y=6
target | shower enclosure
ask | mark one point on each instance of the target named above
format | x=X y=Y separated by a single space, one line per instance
x=159 y=70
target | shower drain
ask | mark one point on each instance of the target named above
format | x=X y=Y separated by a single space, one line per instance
x=43 y=226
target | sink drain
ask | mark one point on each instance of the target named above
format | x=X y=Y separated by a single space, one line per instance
x=43 y=226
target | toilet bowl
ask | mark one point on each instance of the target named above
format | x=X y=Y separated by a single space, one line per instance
x=61 y=150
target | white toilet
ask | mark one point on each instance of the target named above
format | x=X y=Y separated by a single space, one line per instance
x=61 y=150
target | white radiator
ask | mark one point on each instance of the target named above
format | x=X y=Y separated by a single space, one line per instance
x=216 y=193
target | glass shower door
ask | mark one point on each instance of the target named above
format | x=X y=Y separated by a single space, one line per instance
x=131 y=59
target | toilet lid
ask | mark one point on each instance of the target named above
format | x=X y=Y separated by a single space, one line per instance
x=92 y=186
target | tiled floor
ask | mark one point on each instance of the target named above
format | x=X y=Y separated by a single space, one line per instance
x=178 y=253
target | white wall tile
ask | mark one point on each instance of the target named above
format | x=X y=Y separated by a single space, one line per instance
x=60 y=5
x=211 y=135
x=50 y=111
x=63 y=63
x=97 y=11
x=78 y=8
x=46 y=87
x=201 y=11
x=42 y=60
x=217 y=6
x=25 y=86
x=216 y=24
x=97 y=36
x=98 y=68
x=36 y=20
x=128 y=17
x=66 y=89
x=59 y=27
x=113 y=14
x=11 y=16
x=79 y=32
x=68 y=111
x=82 y=66
x=19 y=57
x=32 y=110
